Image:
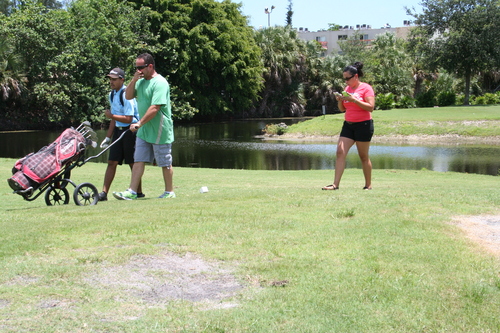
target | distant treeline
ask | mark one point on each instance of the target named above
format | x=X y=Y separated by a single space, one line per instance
x=55 y=57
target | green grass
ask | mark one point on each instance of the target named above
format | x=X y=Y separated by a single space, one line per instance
x=385 y=260
x=481 y=121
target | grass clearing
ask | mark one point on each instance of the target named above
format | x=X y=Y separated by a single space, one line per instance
x=477 y=121
x=386 y=260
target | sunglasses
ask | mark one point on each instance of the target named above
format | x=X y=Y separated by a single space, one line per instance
x=141 y=67
x=348 y=78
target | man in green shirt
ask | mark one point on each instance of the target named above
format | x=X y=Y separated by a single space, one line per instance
x=155 y=130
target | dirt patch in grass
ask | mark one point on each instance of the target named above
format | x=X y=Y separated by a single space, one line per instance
x=168 y=276
x=482 y=229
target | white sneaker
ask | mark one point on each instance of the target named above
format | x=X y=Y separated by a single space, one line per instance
x=167 y=195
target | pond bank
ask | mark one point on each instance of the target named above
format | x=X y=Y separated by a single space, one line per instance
x=414 y=139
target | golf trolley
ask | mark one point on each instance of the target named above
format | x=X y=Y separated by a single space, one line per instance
x=49 y=169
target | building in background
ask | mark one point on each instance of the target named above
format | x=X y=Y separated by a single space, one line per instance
x=329 y=39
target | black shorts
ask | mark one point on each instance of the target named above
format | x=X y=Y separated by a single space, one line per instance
x=362 y=131
x=123 y=149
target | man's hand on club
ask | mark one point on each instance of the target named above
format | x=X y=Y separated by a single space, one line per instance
x=135 y=127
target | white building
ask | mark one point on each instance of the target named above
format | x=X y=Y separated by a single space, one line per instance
x=329 y=39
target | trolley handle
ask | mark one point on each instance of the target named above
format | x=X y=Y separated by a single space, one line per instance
x=105 y=149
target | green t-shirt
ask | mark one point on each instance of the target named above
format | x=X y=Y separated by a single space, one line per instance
x=156 y=91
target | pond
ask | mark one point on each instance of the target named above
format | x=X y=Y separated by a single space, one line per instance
x=237 y=145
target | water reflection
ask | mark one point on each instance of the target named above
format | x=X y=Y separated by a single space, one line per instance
x=310 y=156
x=233 y=145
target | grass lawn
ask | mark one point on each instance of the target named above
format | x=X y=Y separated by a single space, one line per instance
x=386 y=260
x=477 y=121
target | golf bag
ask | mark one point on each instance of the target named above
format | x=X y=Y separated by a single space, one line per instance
x=35 y=168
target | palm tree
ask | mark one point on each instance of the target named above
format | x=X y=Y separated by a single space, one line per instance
x=391 y=66
x=325 y=78
x=11 y=78
x=283 y=56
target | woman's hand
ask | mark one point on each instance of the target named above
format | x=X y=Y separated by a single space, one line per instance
x=349 y=98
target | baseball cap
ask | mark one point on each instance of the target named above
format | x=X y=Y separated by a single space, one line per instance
x=117 y=73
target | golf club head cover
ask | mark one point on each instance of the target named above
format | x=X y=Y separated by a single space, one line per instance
x=105 y=143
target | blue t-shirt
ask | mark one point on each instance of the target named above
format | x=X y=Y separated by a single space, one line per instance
x=129 y=107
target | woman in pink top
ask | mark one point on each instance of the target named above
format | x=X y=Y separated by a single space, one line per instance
x=358 y=125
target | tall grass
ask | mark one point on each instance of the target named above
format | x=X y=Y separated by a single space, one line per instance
x=386 y=260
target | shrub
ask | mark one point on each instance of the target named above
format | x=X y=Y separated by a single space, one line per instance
x=405 y=102
x=491 y=98
x=275 y=129
x=446 y=98
x=385 y=101
x=426 y=99
x=479 y=100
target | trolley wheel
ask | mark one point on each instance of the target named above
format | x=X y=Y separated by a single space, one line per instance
x=85 y=194
x=56 y=196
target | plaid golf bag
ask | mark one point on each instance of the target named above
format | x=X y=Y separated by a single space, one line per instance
x=35 y=168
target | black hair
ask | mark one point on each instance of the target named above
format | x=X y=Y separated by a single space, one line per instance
x=356 y=68
x=148 y=59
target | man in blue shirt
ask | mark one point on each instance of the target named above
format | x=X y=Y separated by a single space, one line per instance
x=123 y=113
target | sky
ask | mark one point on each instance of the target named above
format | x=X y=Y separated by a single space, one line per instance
x=316 y=14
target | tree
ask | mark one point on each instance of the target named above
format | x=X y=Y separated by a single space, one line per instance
x=390 y=66
x=5 y=7
x=8 y=6
x=354 y=47
x=459 y=36
x=68 y=53
x=289 y=14
x=324 y=78
x=100 y=35
x=284 y=58
x=334 y=27
x=211 y=56
x=12 y=78
x=34 y=34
